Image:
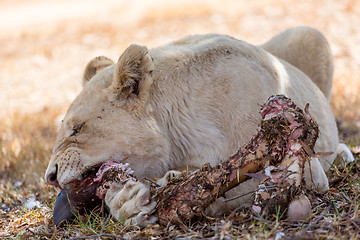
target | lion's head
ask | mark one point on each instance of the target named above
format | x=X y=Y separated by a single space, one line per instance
x=111 y=119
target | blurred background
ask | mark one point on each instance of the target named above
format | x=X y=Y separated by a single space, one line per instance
x=45 y=44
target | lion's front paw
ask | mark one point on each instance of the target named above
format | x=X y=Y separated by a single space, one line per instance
x=131 y=202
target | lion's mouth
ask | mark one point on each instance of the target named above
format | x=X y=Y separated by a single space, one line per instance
x=89 y=172
x=87 y=192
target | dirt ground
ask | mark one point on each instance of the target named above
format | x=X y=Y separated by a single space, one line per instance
x=46 y=44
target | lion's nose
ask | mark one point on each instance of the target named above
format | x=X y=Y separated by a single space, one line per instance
x=52 y=178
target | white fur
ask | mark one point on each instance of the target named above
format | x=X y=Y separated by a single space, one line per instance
x=344 y=151
x=131 y=203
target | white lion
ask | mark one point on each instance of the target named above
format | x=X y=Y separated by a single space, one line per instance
x=192 y=101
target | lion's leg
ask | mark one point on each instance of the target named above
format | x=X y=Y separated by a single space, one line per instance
x=308 y=50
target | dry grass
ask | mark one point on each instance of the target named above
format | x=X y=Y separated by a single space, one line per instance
x=38 y=65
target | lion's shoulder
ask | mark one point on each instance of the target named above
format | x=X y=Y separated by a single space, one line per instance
x=199 y=45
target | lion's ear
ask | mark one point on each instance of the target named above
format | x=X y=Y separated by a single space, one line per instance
x=95 y=66
x=133 y=75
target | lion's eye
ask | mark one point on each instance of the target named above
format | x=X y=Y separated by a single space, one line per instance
x=76 y=129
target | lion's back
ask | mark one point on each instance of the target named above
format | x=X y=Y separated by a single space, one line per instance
x=213 y=86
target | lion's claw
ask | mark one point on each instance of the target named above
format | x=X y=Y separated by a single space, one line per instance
x=131 y=202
